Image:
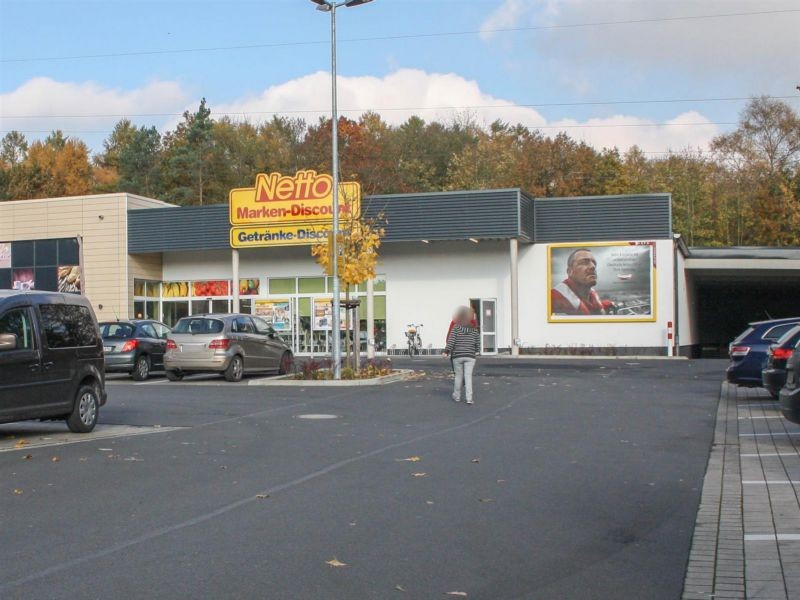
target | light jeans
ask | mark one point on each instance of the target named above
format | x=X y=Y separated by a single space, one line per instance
x=463 y=367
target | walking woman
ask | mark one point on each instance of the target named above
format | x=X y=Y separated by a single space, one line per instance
x=463 y=345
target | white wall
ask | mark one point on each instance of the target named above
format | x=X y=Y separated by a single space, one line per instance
x=687 y=325
x=535 y=331
x=426 y=282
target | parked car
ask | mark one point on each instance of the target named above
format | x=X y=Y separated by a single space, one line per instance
x=749 y=351
x=773 y=376
x=51 y=359
x=135 y=347
x=231 y=344
x=789 y=395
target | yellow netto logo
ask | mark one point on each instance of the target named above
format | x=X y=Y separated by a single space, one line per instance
x=306 y=197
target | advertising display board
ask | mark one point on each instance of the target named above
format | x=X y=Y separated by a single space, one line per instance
x=282 y=210
x=5 y=255
x=601 y=282
x=278 y=313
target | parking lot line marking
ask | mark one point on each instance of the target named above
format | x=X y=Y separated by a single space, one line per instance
x=771 y=482
x=250 y=499
x=761 y=417
x=769 y=454
x=771 y=537
x=772 y=433
x=45 y=438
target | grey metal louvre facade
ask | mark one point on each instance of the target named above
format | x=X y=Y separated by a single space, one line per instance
x=440 y=216
x=178 y=228
x=601 y=218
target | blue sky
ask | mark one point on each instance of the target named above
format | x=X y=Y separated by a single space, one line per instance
x=440 y=59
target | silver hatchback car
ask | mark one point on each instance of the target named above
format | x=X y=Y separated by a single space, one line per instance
x=231 y=344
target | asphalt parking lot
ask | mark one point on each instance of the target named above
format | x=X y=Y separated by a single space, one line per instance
x=568 y=479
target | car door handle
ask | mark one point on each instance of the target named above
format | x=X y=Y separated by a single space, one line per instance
x=48 y=365
x=34 y=367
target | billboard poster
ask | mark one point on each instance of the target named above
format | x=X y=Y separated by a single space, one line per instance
x=203 y=289
x=22 y=279
x=5 y=255
x=323 y=314
x=69 y=279
x=601 y=282
x=277 y=313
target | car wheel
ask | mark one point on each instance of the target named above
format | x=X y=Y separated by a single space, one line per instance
x=235 y=369
x=174 y=375
x=84 y=413
x=287 y=364
x=141 y=369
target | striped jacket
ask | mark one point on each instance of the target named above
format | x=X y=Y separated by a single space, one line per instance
x=463 y=342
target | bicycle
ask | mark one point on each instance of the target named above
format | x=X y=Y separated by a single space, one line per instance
x=413 y=338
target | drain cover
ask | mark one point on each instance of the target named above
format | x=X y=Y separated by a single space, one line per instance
x=316 y=416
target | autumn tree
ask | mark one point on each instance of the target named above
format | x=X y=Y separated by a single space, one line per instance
x=357 y=246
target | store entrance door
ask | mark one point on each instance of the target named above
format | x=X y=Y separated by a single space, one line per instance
x=485 y=309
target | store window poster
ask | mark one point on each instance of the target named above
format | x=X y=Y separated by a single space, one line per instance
x=278 y=313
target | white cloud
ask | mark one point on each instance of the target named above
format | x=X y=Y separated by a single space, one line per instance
x=507 y=15
x=442 y=97
x=415 y=92
x=39 y=105
x=686 y=130
x=755 y=46
x=397 y=96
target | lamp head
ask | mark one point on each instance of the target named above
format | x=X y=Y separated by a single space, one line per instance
x=355 y=2
x=323 y=5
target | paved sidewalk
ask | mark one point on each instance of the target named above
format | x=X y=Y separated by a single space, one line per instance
x=746 y=542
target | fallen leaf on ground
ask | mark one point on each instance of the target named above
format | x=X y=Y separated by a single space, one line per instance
x=21 y=444
x=486 y=500
x=83 y=459
x=55 y=459
x=409 y=459
x=419 y=474
x=399 y=588
x=334 y=562
x=27 y=457
x=428 y=501
x=462 y=594
x=262 y=496
x=105 y=449
x=476 y=460
x=17 y=492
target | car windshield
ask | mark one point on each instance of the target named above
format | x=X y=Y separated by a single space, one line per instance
x=116 y=330
x=198 y=325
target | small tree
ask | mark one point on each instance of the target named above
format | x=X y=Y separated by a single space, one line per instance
x=357 y=246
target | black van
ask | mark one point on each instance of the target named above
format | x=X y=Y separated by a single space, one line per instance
x=51 y=359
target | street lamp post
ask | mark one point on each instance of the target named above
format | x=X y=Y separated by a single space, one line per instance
x=327 y=6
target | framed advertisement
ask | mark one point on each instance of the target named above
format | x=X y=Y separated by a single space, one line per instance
x=277 y=313
x=5 y=255
x=601 y=282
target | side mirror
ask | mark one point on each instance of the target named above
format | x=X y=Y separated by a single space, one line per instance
x=8 y=341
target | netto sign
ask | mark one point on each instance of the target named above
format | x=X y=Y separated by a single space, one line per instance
x=279 y=199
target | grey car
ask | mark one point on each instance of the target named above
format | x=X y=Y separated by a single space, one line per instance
x=231 y=344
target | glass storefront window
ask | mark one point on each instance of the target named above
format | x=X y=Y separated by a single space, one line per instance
x=174 y=310
x=380 y=283
x=311 y=285
x=286 y=285
x=246 y=306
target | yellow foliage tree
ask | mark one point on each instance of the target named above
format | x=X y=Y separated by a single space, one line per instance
x=357 y=246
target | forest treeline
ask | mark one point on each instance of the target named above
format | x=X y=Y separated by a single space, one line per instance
x=744 y=190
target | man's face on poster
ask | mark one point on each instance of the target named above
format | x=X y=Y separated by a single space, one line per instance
x=583 y=269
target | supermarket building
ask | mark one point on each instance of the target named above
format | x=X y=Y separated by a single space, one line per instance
x=501 y=251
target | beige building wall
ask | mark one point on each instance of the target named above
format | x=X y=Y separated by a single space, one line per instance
x=101 y=222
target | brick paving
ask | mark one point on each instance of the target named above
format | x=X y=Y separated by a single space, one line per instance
x=746 y=542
